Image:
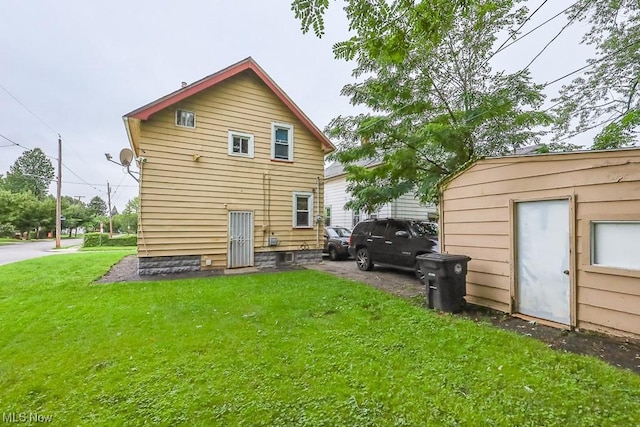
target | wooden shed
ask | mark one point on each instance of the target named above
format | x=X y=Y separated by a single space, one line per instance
x=553 y=237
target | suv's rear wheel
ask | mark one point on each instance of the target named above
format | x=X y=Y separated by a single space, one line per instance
x=363 y=259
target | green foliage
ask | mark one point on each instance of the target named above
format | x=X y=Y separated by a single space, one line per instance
x=32 y=172
x=95 y=239
x=608 y=94
x=296 y=348
x=97 y=206
x=132 y=206
x=126 y=240
x=435 y=102
x=103 y=239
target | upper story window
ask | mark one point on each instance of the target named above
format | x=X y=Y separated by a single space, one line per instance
x=281 y=141
x=185 y=118
x=240 y=144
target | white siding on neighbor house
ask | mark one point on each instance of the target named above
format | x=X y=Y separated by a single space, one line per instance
x=336 y=196
x=407 y=206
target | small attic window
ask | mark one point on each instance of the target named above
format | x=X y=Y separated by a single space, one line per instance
x=185 y=119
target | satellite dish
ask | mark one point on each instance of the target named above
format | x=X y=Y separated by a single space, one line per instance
x=126 y=156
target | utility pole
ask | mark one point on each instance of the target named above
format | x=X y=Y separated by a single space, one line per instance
x=59 y=195
x=79 y=197
x=109 y=203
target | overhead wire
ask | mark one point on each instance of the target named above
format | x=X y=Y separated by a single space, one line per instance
x=28 y=109
x=514 y=32
x=15 y=98
x=503 y=47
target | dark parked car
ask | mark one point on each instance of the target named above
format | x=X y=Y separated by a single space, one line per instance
x=394 y=242
x=336 y=242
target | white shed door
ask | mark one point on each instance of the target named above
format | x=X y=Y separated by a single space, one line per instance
x=542 y=240
x=240 y=253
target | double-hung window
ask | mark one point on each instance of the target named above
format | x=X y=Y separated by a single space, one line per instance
x=240 y=144
x=185 y=119
x=302 y=210
x=281 y=141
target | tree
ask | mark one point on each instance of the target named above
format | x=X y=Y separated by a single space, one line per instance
x=97 y=206
x=32 y=172
x=608 y=95
x=435 y=102
x=132 y=206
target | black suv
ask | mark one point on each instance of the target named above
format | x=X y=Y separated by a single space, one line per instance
x=394 y=242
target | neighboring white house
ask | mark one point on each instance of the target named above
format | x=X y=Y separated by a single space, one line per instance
x=336 y=196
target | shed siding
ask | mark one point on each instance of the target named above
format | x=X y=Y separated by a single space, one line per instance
x=475 y=221
x=185 y=203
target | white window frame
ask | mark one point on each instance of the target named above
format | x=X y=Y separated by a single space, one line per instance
x=308 y=195
x=612 y=263
x=327 y=216
x=289 y=129
x=186 y=111
x=248 y=136
x=355 y=218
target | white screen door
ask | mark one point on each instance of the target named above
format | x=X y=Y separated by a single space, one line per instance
x=542 y=240
x=240 y=253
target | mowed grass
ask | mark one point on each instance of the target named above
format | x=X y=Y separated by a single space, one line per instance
x=291 y=348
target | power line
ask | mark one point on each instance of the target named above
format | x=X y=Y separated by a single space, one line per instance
x=81 y=179
x=531 y=31
x=14 y=143
x=594 y=62
x=514 y=32
x=555 y=37
x=54 y=158
x=28 y=109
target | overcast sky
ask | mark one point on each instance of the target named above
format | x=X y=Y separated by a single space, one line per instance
x=80 y=65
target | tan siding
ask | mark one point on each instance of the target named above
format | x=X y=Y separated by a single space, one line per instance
x=476 y=222
x=608 y=320
x=479 y=215
x=606 y=299
x=615 y=284
x=185 y=203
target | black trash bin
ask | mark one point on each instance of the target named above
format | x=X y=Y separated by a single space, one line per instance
x=445 y=280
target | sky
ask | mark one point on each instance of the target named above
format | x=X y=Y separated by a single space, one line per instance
x=75 y=67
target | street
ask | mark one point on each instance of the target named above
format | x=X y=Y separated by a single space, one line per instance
x=34 y=249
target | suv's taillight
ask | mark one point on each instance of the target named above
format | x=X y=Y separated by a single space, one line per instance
x=351 y=240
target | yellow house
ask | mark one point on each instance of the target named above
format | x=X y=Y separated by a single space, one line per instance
x=231 y=175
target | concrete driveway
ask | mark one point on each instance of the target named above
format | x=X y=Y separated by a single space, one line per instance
x=402 y=283
x=21 y=251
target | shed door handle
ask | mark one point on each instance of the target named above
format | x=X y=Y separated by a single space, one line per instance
x=566 y=272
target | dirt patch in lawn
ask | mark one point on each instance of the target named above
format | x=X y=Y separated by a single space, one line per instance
x=617 y=352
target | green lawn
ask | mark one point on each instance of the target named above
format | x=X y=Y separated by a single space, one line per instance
x=8 y=240
x=292 y=348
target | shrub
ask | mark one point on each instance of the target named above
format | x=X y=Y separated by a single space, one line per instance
x=7 y=230
x=126 y=240
x=102 y=239
x=95 y=239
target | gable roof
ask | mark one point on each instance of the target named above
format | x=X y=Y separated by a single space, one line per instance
x=144 y=112
x=337 y=168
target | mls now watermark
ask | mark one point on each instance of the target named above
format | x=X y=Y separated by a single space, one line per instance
x=25 y=417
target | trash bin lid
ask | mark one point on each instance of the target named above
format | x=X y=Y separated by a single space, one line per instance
x=440 y=257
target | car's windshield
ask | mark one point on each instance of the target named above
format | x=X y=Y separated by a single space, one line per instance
x=338 y=232
x=424 y=229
